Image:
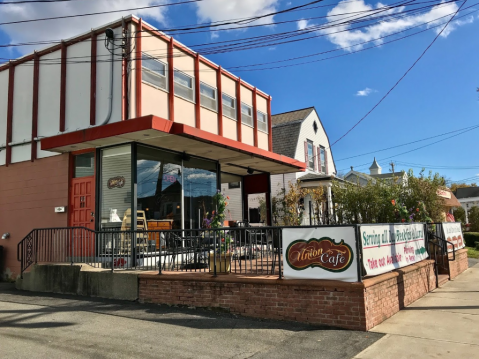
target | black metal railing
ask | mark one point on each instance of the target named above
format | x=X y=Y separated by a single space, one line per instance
x=240 y=250
x=438 y=249
x=57 y=245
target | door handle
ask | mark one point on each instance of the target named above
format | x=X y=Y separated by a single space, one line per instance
x=92 y=214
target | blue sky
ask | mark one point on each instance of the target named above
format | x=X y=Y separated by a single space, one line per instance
x=438 y=95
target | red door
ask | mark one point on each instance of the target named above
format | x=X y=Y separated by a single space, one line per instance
x=82 y=214
x=82 y=200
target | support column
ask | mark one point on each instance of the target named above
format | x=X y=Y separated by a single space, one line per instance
x=238 y=109
x=220 y=101
x=171 y=81
x=138 y=68
x=330 y=202
x=63 y=85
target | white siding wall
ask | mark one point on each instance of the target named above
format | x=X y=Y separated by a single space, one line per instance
x=3 y=113
x=103 y=81
x=49 y=99
x=77 y=104
x=319 y=139
x=22 y=111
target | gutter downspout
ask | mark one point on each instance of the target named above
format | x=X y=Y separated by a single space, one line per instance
x=110 y=97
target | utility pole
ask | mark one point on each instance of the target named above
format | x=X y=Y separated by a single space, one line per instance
x=392 y=166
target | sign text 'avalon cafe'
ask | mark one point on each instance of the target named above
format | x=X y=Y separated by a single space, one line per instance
x=388 y=247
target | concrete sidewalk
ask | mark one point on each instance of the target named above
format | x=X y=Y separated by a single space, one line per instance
x=443 y=324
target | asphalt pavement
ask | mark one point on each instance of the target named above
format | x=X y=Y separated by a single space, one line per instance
x=39 y=325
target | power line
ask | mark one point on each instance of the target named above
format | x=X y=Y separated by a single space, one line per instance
x=402 y=77
x=306 y=30
x=50 y=61
x=151 y=7
x=418 y=148
x=408 y=143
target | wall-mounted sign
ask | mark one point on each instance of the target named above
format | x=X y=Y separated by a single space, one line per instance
x=388 y=247
x=116 y=182
x=323 y=253
x=320 y=253
x=453 y=234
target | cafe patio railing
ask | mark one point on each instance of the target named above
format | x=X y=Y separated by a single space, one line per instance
x=239 y=250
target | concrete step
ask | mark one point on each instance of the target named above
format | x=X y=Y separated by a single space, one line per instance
x=443 y=279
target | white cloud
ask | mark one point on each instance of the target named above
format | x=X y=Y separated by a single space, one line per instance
x=348 y=37
x=302 y=24
x=366 y=92
x=53 y=29
x=221 y=10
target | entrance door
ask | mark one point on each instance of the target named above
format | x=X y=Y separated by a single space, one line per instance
x=82 y=200
x=82 y=206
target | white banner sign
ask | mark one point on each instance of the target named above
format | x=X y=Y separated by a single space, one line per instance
x=453 y=233
x=320 y=253
x=391 y=246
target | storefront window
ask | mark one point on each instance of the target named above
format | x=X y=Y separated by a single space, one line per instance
x=200 y=181
x=159 y=187
x=116 y=188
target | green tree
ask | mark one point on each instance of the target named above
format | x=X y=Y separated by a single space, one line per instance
x=460 y=215
x=474 y=218
x=413 y=199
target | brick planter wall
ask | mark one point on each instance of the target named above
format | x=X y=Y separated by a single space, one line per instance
x=358 y=306
x=459 y=265
x=386 y=294
x=317 y=302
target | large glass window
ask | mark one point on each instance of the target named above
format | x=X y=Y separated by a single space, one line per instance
x=116 y=188
x=161 y=181
x=159 y=186
x=200 y=180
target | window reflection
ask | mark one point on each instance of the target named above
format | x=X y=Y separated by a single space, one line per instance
x=159 y=187
x=161 y=179
x=200 y=187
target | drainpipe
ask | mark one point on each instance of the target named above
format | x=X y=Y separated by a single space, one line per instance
x=110 y=97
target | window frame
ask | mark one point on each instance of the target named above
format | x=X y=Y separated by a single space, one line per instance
x=215 y=99
x=234 y=108
x=265 y=122
x=312 y=156
x=322 y=157
x=165 y=76
x=175 y=71
x=251 y=111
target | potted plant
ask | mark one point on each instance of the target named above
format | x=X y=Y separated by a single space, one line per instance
x=221 y=259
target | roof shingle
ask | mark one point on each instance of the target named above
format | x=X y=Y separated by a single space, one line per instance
x=291 y=116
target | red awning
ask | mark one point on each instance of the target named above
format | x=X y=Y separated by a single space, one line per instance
x=235 y=157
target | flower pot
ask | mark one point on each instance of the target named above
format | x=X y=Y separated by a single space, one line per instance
x=223 y=263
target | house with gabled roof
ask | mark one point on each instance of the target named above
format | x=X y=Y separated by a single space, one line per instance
x=300 y=134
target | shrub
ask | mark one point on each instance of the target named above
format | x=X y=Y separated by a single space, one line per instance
x=470 y=238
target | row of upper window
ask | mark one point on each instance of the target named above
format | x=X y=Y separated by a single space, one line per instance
x=312 y=157
x=154 y=73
